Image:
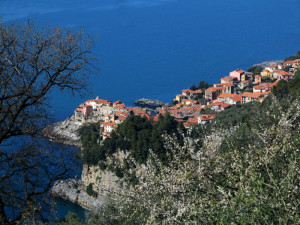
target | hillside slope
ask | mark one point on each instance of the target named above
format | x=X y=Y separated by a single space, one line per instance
x=243 y=168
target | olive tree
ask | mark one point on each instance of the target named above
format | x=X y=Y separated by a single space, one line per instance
x=257 y=183
x=34 y=61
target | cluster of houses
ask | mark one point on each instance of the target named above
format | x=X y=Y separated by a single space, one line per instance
x=108 y=114
x=238 y=88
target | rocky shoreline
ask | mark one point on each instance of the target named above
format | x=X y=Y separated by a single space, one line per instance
x=64 y=132
x=267 y=63
x=150 y=103
x=74 y=190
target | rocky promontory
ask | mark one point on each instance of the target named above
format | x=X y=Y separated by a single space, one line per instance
x=74 y=190
x=267 y=63
x=104 y=183
x=64 y=132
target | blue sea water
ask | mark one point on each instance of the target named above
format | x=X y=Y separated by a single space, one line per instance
x=156 y=48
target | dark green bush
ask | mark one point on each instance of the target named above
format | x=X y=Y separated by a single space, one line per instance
x=90 y=191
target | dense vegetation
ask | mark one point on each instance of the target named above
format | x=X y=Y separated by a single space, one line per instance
x=296 y=56
x=245 y=171
x=254 y=69
x=135 y=135
x=289 y=90
x=202 y=85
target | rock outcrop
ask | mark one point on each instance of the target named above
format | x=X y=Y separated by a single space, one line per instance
x=267 y=63
x=64 y=132
x=74 y=190
x=150 y=103
x=104 y=183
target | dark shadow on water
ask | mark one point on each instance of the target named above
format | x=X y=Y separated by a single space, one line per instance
x=64 y=207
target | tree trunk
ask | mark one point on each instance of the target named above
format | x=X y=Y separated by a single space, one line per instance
x=3 y=218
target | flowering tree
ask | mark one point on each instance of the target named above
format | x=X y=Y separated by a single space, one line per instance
x=255 y=183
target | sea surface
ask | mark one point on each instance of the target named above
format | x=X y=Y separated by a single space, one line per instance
x=156 y=48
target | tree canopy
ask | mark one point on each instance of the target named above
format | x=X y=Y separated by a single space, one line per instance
x=34 y=61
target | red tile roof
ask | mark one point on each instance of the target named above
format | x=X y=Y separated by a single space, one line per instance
x=296 y=61
x=121 y=118
x=252 y=95
x=110 y=124
x=189 y=100
x=187 y=124
x=259 y=87
x=206 y=117
x=99 y=101
x=240 y=71
x=155 y=118
x=225 y=95
x=197 y=92
x=228 y=78
x=236 y=98
x=273 y=84
x=273 y=66
x=193 y=120
x=288 y=62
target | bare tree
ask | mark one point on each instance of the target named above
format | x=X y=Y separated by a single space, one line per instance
x=33 y=61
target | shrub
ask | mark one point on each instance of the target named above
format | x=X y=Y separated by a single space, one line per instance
x=90 y=191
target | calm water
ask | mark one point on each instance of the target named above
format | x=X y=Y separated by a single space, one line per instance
x=155 y=48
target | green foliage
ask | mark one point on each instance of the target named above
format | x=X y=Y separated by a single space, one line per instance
x=291 y=88
x=252 y=178
x=267 y=80
x=207 y=111
x=90 y=191
x=203 y=85
x=241 y=139
x=246 y=169
x=255 y=70
x=136 y=135
x=250 y=113
x=174 y=102
x=71 y=219
x=102 y=165
x=193 y=87
x=281 y=89
x=110 y=214
x=90 y=137
x=296 y=56
x=202 y=101
x=287 y=69
x=119 y=173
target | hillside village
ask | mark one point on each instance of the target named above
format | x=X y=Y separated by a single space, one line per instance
x=194 y=105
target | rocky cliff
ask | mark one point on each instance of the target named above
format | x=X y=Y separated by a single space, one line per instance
x=74 y=190
x=105 y=183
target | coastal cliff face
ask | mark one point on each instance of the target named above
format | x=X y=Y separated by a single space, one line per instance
x=104 y=183
x=74 y=190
